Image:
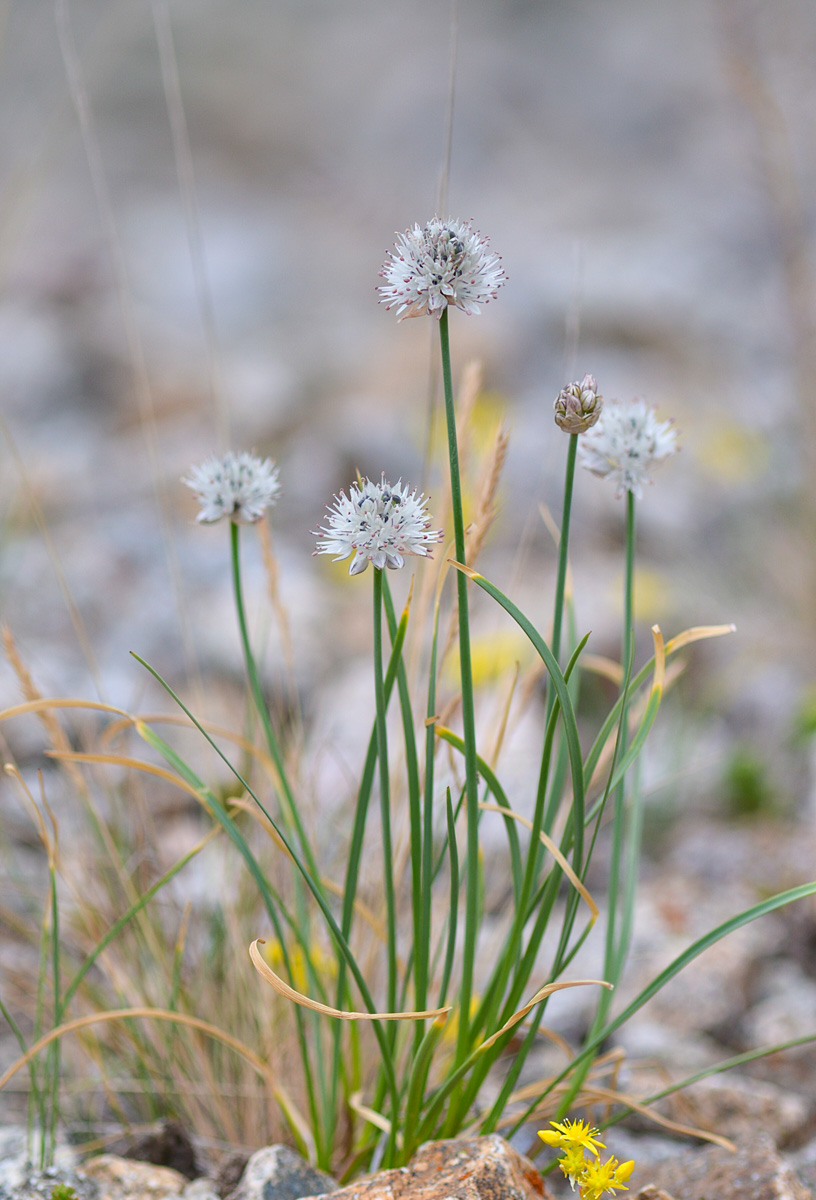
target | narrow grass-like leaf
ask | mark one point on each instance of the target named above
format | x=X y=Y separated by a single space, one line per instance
x=313 y=885
x=674 y=968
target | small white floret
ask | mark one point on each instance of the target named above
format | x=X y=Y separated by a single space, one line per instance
x=626 y=444
x=238 y=486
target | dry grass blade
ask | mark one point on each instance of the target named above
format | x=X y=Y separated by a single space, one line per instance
x=153 y=1014
x=697 y=633
x=504 y=718
x=554 y=851
x=145 y=719
x=610 y=1095
x=272 y=572
x=486 y=501
x=283 y=989
x=541 y=994
x=606 y=668
x=659 y=680
x=48 y=842
x=56 y=734
x=369 y=1114
x=135 y=764
x=555 y=533
x=37 y=706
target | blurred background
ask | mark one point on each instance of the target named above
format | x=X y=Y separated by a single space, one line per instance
x=195 y=199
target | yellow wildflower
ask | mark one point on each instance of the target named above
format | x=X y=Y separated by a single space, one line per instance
x=321 y=963
x=573 y=1163
x=572 y=1133
x=601 y=1177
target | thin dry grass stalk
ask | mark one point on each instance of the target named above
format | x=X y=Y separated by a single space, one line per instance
x=554 y=851
x=54 y=731
x=485 y=513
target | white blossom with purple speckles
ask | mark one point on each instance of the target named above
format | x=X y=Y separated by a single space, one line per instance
x=377 y=523
x=446 y=262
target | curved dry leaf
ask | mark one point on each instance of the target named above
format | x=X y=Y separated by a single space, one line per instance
x=157 y=1014
x=33 y=706
x=283 y=989
x=371 y=1115
x=554 y=851
x=660 y=661
x=540 y=995
x=697 y=633
x=136 y=764
x=607 y=668
x=611 y=1095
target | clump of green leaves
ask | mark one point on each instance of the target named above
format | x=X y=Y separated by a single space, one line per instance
x=63 y=1191
x=749 y=790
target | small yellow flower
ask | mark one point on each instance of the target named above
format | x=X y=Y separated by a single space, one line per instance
x=601 y=1177
x=321 y=963
x=573 y=1164
x=451 y=1032
x=572 y=1133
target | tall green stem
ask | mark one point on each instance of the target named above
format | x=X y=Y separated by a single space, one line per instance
x=563 y=559
x=385 y=795
x=468 y=719
x=289 y=806
x=611 y=955
x=541 y=818
x=618 y=918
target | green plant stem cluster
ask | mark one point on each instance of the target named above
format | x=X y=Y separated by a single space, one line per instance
x=407 y=1058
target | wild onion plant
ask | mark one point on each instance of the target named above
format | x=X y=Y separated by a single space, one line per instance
x=398 y=1017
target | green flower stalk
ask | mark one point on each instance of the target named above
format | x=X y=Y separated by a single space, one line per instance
x=449 y=264
x=380 y=523
x=240 y=488
x=577 y=408
x=625 y=445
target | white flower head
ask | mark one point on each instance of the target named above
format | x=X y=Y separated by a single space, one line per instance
x=446 y=262
x=378 y=523
x=238 y=486
x=626 y=444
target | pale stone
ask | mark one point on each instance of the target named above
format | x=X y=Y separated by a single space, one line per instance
x=128 y=1179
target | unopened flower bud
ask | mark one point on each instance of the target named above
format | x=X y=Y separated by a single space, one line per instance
x=578 y=406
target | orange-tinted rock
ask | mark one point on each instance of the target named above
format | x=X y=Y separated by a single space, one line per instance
x=486 y=1168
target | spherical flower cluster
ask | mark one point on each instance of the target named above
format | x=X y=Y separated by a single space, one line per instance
x=626 y=444
x=578 y=406
x=446 y=262
x=238 y=486
x=378 y=523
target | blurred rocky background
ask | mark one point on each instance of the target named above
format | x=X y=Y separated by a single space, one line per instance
x=195 y=199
